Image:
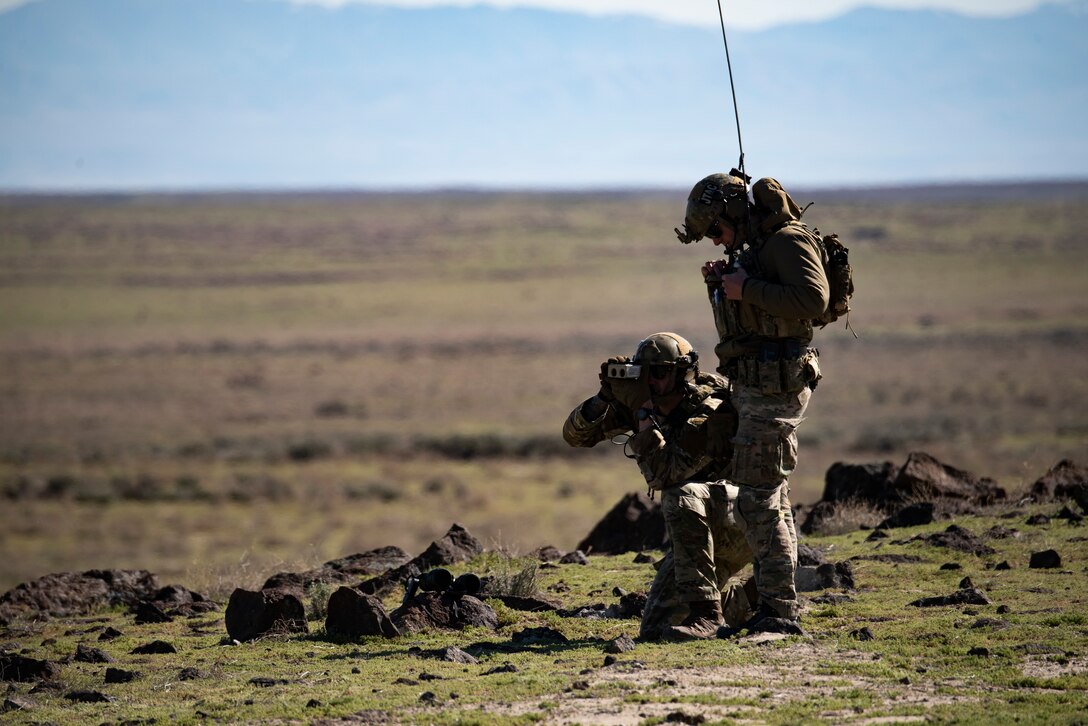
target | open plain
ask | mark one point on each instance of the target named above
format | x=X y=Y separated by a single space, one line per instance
x=217 y=387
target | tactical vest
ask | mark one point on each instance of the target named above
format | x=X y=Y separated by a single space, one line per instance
x=737 y=319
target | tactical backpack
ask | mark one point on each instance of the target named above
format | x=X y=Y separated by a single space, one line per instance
x=780 y=208
x=840 y=279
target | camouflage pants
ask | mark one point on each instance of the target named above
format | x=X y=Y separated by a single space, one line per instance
x=764 y=456
x=708 y=548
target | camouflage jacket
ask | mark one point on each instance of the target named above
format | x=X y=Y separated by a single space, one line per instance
x=693 y=442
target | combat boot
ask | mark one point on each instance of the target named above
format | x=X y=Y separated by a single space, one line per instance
x=701 y=623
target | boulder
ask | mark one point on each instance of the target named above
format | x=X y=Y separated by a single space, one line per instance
x=634 y=524
x=15 y=667
x=859 y=482
x=1065 y=480
x=353 y=614
x=72 y=593
x=253 y=614
x=912 y=515
x=443 y=610
x=923 y=478
x=822 y=577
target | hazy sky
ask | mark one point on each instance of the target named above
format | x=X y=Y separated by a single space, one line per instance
x=739 y=13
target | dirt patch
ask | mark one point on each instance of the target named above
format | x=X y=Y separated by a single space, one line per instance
x=1048 y=667
x=799 y=663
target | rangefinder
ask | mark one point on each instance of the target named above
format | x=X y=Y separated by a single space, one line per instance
x=624 y=370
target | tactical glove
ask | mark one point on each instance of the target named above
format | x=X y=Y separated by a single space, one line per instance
x=606 y=393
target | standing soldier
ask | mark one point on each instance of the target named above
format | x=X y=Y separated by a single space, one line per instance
x=763 y=307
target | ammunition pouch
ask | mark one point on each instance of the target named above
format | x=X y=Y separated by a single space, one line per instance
x=781 y=366
x=734 y=318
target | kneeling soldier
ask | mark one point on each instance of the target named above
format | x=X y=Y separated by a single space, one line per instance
x=682 y=423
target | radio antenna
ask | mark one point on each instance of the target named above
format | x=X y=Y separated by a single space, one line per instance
x=733 y=89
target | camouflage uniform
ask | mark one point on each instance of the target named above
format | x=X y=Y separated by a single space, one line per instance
x=764 y=351
x=686 y=457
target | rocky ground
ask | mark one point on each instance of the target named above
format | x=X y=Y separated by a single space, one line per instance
x=961 y=602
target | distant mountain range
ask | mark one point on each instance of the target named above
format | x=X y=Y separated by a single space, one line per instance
x=179 y=94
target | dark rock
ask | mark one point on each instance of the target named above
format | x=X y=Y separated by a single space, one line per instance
x=876 y=535
x=970 y=596
x=525 y=604
x=14 y=667
x=253 y=614
x=313 y=703
x=431 y=610
x=923 y=478
x=534 y=636
x=610 y=660
x=622 y=644
x=450 y=655
x=1037 y=519
x=89 y=697
x=505 y=668
x=858 y=482
x=951 y=566
x=1069 y=514
x=999 y=532
x=1065 y=480
x=912 y=515
x=577 y=557
x=429 y=677
x=148 y=612
x=343 y=570
x=155 y=647
x=17 y=703
x=88 y=654
x=457 y=545
x=428 y=697
x=863 y=633
x=634 y=524
x=818 y=516
x=1003 y=609
x=547 y=553
x=827 y=575
x=402 y=681
x=832 y=598
x=681 y=717
x=1046 y=559
x=643 y=558
x=956 y=538
x=110 y=634
x=809 y=556
x=352 y=614
x=991 y=623
x=118 y=675
x=70 y=593
x=191 y=674
x=265 y=682
x=979 y=651
x=1003 y=565
x=966 y=583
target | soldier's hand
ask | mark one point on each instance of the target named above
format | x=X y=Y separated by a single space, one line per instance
x=713 y=269
x=606 y=393
x=733 y=284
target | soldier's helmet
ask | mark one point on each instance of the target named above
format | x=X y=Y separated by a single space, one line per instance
x=668 y=349
x=718 y=196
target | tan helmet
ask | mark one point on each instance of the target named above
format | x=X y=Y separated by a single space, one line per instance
x=667 y=349
x=715 y=197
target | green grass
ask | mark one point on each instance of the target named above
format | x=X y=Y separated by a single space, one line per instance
x=917 y=665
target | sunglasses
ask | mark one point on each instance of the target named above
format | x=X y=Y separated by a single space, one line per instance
x=714 y=231
x=659 y=372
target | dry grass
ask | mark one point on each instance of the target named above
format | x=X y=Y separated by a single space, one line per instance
x=199 y=380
